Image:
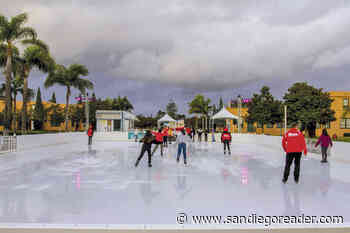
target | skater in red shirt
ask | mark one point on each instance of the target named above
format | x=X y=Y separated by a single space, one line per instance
x=165 y=136
x=226 y=139
x=293 y=144
x=158 y=142
x=90 y=133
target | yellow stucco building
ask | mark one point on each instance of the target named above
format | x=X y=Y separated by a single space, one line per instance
x=48 y=125
x=340 y=127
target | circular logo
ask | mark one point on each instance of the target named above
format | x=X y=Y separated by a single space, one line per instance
x=181 y=218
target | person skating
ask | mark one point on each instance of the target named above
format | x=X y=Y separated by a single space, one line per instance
x=325 y=141
x=200 y=133
x=158 y=142
x=193 y=133
x=182 y=140
x=90 y=133
x=293 y=143
x=226 y=140
x=206 y=132
x=147 y=140
x=165 y=136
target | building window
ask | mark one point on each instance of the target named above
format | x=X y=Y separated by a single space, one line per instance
x=345 y=123
x=259 y=125
x=269 y=125
x=55 y=124
x=346 y=102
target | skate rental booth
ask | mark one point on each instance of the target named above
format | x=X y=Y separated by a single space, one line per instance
x=225 y=115
x=114 y=121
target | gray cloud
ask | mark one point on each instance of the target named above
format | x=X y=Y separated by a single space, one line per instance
x=202 y=45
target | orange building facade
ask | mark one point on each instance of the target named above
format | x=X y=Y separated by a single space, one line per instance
x=339 y=127
x=48 y=124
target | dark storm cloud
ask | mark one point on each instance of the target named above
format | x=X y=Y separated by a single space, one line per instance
x=154 y=50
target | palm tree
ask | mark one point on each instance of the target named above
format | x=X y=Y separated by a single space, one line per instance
x=11 y=32
x=16 y=87
x=35 y=56
x=70 y=78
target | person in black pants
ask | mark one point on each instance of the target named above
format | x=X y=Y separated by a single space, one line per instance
x=226 y=140
x=293 y=143
x=206 y=132
x=147 y=140
x=296 y=156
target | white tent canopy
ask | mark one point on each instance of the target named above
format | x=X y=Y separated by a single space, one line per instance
x=224 y=114
x=166 y=118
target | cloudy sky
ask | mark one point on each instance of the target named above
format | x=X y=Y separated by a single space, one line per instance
x=157 y=50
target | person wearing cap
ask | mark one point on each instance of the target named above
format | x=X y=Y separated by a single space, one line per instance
x=226 y=140
x=146 y=146
x=293 y=143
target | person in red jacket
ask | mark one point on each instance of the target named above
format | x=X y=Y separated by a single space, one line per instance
x=165 y=136
x=226 y=139
x=90 y=133
x=293 y=143
x=158 y=142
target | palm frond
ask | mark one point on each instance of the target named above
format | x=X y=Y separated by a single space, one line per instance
x=57 y=76
x=83 y=84
x=39 y=58
x=18 y=20
x=26 y=32
x=36 y=42
x=3 y=21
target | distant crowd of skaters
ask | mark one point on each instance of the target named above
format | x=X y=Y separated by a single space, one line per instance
x=293 y=143
x=182 y=136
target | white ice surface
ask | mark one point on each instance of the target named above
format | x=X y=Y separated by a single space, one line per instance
x=57 y=179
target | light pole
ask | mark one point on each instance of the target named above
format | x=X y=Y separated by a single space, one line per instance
x=239 y=113
x=285 y=119
x=87 y=111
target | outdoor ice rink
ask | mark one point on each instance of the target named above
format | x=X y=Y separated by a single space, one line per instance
x=57 y=179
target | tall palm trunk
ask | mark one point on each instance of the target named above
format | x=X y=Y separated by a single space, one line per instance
x=24 y=107
x=15 y=110
x=8 y=108
x=67 y=106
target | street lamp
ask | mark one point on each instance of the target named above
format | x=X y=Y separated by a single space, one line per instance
x=87 y=111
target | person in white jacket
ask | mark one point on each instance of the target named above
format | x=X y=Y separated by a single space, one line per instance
x=182 y=140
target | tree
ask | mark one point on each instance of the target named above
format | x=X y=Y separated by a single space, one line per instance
x=309 y=106
x=200 y=105
x=214 y=109
x=56 y=114
x=76 y=115
x=263 y=108
x=160 y=114
x=39 y=113
x=35 y=56
x=145 y=121
x=53 y=98
x=221 y=104
x=12 y=31
x=171 y=109
x=70 y=78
